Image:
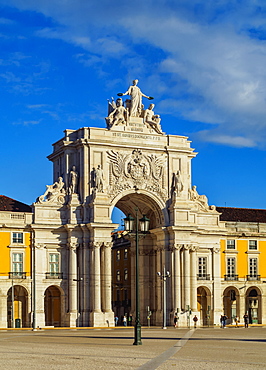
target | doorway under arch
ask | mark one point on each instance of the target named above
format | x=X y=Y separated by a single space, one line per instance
x=52 y=306
x=151 y=260
x=231 y=303
x=204 y=305
x=253 y=305
x=17 y=307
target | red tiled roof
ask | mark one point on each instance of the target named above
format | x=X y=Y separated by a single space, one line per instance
x=242 y=214
x=9 y=204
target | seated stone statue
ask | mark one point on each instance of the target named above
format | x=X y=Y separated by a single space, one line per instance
x=53 y=191
x=202 y=200
x=118 y=116
x=152 y=120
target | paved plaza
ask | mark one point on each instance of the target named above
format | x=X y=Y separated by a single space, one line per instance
x=203 y=348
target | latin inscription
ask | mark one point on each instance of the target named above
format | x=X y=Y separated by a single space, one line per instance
x=136 y=136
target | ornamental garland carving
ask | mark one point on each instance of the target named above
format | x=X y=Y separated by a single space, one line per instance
x=136 y=170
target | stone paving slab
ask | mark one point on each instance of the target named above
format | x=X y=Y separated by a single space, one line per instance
x=210 y=348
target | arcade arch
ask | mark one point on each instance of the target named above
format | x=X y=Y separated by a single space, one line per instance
x=52 y=306
x=231 y=303
x=204 y=304
x=18 y=307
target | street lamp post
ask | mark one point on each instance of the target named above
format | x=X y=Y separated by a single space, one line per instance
x=164 y=276
x=132 y=225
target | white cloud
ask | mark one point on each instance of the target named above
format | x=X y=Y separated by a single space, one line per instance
x=212 y=67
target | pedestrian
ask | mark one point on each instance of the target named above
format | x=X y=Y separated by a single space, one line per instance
x=125 y=321
x=195 y=319
x=223 y=321
x=236 y=321
x=116 y=320
x=130 y=320
x=175 y=321
x=246 y=320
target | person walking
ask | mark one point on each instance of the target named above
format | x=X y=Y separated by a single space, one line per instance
x=125 y=321
x=116 y=320
x=246 y=320
x=195 y=319
x=236 y=321
x=175 y=321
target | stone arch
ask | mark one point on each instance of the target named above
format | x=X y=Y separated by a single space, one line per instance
x=204 y=305
x=18 y=306
x=53 y=306
x=253 y=305
x=152 y=257
x=148 y=203
x=231 y=303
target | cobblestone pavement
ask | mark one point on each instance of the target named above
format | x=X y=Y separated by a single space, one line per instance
x=206 y=348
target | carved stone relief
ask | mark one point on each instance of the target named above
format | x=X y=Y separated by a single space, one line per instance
x=136 y=170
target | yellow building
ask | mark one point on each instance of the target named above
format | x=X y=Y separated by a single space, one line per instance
x=15 y=263
x=243 y=269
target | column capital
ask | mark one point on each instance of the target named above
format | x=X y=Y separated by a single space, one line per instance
x=107 y=244
x=216 y=249
x=73 y=246
x=194 y=248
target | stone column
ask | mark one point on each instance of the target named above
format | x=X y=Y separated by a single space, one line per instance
x=107 y=277
x=40 y=268
x=158 y=286
x=193 y=274
x=97 y=278
x=186 y=276
x=176 y=277
x=217 y=299
x=72 y=284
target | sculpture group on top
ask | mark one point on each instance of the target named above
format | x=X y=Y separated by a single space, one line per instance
x=119 y=112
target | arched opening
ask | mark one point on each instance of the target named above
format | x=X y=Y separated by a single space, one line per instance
x=150 y=262
x=17 y=307
x=204 y=305
x=231 y=303
x=52 y=306
x=253 y=305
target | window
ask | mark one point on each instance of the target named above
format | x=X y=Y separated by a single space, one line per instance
x=17 y=264
x=252 y=245
x=17 y=238
x=231 y=266
x=53 y=264
x=253 y=267
x=230 y=244
x=125 y=274
x=118 y=275
x=125 y=254
x=118 y=255
x=118 y=295
x=202 y=266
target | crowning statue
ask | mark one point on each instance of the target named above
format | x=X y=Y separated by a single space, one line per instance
x=131 y=115
x=136 y=99
x=152 y=120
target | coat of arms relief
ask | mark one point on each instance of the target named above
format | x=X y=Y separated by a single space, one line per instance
x=136 y=171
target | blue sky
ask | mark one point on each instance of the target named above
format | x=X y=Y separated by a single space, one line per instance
x=203 y=62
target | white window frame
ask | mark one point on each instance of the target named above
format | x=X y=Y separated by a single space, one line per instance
x=202 y=267
x=253 y=267
x=55 y=263
x=231 y=246
x=231 y=267
x=13 y=270
x=15 y=237
x=251 y=247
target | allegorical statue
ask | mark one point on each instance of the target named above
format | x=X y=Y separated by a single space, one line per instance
x=73 y=181
x=177 y=185
x=119 y=114
x=136 y=99
x=53 y=191
x=152 y=120
x=99 y=179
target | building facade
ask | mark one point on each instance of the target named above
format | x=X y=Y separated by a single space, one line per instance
x=215 y=261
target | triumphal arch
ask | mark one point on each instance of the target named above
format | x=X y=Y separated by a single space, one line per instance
x=130 y=164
